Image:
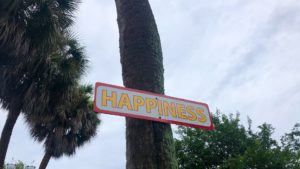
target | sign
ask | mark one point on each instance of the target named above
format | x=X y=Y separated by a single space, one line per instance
x=140 y=104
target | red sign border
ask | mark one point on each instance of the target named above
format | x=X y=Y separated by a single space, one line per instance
x=98 y=110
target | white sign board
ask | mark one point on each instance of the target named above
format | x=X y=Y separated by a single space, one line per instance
x=127 y=102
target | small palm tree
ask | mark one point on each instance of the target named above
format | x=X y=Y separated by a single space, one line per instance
x=73 y=125
x=45 y=116
x=30 y=31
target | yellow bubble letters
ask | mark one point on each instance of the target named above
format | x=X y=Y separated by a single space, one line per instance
x=163 y=107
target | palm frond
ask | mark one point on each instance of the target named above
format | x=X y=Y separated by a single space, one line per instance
x=73 y=125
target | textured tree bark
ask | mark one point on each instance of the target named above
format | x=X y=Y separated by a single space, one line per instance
x=6 y=133
x=45 y=161
x=149 y=144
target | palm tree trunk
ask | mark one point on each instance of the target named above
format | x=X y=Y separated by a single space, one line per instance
x=6 y=133
x=45 y=161
x=149 y=144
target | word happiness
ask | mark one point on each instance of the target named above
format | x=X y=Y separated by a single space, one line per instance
x=115 y=100
x=163 y=107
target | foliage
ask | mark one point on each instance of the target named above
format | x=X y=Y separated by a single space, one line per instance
x=40 y=60
x=32 y=31
x=73 y=125
x=291 y=141
x=27 y=24
x=231 y=146
x=58 y=76
x=19 y=165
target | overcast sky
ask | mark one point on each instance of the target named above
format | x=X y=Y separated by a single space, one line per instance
x=234 y=55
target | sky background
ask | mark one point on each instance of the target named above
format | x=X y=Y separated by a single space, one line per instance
x=234 y=55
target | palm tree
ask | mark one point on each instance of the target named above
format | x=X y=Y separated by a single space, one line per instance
x=66 y=106
x=29 y=32
x=73 y=125
x=12 y=28
x=142 y=68
x=64 y=69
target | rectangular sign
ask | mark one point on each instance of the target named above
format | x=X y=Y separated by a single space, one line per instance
x=140 y=104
